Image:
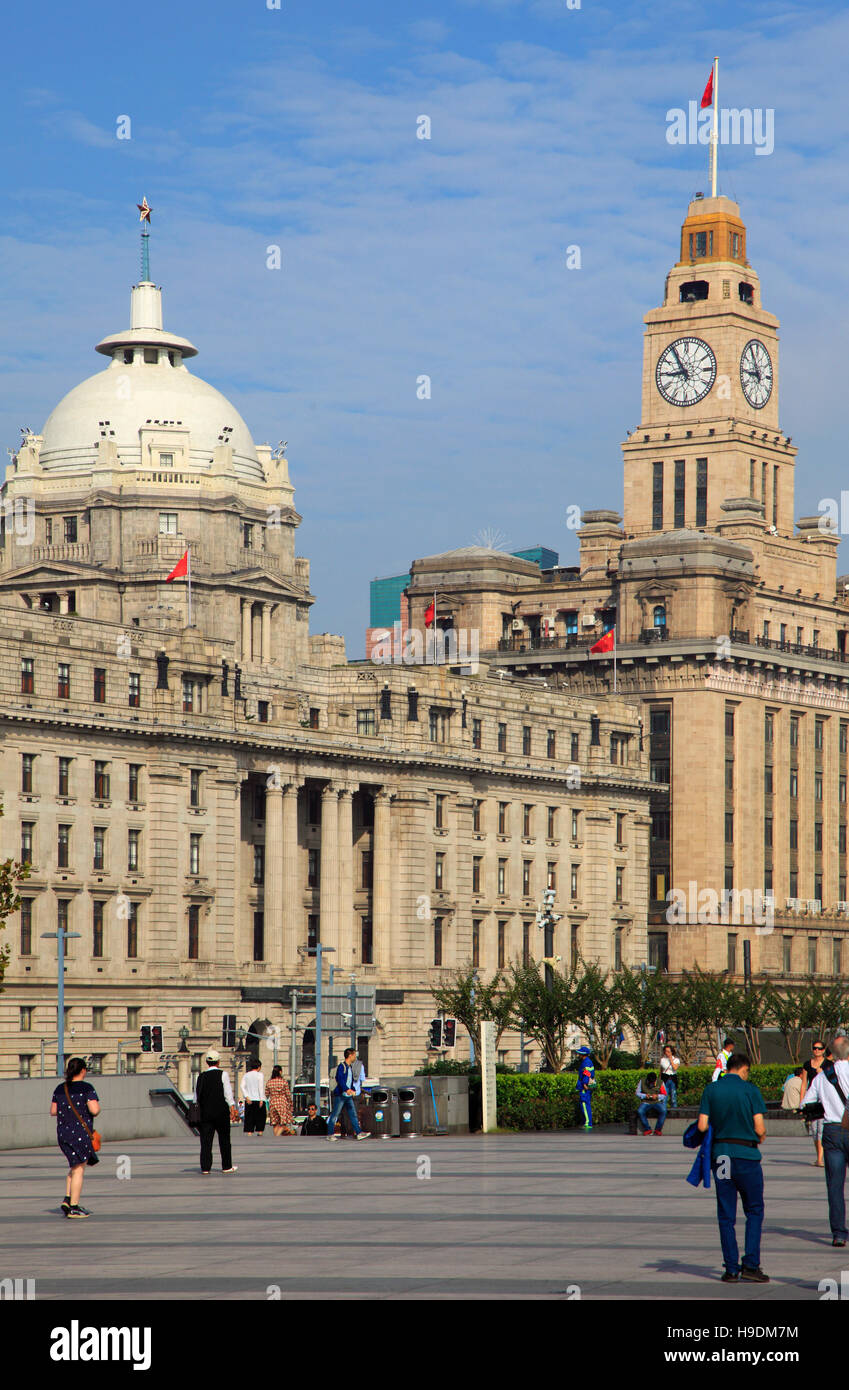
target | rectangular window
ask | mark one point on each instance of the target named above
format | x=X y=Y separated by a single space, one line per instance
x=97 y=928
x=620 y=882
x=99 y=848
x=259 y=864
x=313 y=930
x=194 y=854
x=575 y=746
x=732 y=955
x=768 y=832
x=188 y=695
x=26 y=926
x=526 y=878
x=526 y=740
x=786 y=953
x=194 y=787
x=62 y=916
x=98 y=1018
x=551 y=744
x=729 y=774
x=63 y=681
x=101 y=781
x=817 y=786
x=818 y=837
x=502 y=738
x=576 y=825
x=70 y=525
x=729 y=723
x=769 y=727
x=819 y=725
x=259 y=935
x=552 y=823
x=729 y=827
x=551 y=874
x=657 y=497
x=620 y=829
x=476 y=815
x=502 y=878
x=679 y=494
x=477 y=739
x=476 y=942
x=812 y=955
x=133 y=775
x=617 y=949
x=315 y=715
x=312 y=868
x=366 y=869
x=27 y=675
x=476 y=873
x=841 y=838
x=63 y=846
x=167 y=520
x=794 y=731
x=27 y=829
x=844 y=737
x=526 y=821
x=313 y=807
x=526 y=943
x=27 y=765
x=794 y=883
x=64 y=776
x=26 y=1012
x=701 y=491
x=135 y=689
x=503 y=808
x=794 y=783
x=100 y=685
x=262 y=711
x=247 y=535
x=439 y=811
x=194 y=931
x=437 y=940
x=133 y=931
x=439 y=873
x=502 y=945
x=133 y=844
x=366 y=721
x=768 y=781
x=836 y=955
x=573 y=882
x=366 y=942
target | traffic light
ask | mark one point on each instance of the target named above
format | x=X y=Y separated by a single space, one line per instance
x=156 y=1032
x=435 y=1040
x=228 y=1030
x=145 y=1038
x=449 y=1034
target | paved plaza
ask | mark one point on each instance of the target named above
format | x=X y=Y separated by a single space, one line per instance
x=501 y=1217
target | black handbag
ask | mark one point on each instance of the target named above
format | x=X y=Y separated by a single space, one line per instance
x=814 y=1110
x=193 y=1113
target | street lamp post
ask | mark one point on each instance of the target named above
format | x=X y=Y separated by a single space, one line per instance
x=471 y=1035
x=546 y=918
x=61 y=936
x=318 y=951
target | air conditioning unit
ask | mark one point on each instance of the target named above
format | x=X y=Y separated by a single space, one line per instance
x=588 y=620
x=842 y=907
x=814 y=905
x=794 y=904
x=517 y=625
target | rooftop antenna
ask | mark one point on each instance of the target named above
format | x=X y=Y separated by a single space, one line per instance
x=144 y=217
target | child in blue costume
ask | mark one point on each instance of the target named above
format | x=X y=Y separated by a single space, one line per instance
x=585 y=1084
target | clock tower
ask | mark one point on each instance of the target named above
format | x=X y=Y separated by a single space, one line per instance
x=709 y=429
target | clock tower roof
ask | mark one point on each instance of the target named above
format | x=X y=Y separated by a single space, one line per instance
x=713 y=230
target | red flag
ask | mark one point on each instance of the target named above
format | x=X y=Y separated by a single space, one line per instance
x=430 y=614
x=707 y=97
x=605 y=643
x=180 y=569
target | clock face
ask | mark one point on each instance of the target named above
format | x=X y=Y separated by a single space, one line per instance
x=686 y=371
x=756 y=374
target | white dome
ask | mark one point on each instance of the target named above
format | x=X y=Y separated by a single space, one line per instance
x=128 y=397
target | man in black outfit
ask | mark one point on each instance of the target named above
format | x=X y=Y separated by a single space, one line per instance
x=217 y=1109
x=315 y=1123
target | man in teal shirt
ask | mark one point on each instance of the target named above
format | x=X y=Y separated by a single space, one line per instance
x=734 y=1108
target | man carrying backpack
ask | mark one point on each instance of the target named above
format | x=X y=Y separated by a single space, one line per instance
x=830 y=1088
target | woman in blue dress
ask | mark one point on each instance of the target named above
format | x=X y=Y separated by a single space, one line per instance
x=73 y=1131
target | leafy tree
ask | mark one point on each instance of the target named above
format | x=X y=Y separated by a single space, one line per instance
x=791 y=1009
x=648 y=1000
x=599 y=1007
x=754 y=1011
x=473 y=1001
x=12 y=874
x=546 y=1015
x=715 y=1002
x=827 y=1006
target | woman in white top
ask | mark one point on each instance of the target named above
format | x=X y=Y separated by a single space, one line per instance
x=669 y=1064
x=252 y=1087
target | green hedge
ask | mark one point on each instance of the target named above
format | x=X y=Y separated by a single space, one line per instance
x=542 y=1101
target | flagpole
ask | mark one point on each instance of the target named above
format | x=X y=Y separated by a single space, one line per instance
x=189 y=577
x=614 y=658
x=714 y=137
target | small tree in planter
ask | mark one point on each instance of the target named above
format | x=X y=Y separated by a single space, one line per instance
x=546 y=1015
x=472 y=1001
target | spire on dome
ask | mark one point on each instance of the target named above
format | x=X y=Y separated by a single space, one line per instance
x=144 y=217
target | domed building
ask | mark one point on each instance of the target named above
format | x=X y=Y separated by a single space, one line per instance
x=204 y=792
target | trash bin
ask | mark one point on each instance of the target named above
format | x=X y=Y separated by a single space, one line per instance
x=383 y=1113
x=409 y=1111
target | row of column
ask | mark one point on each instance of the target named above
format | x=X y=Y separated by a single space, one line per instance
x=264 y=646
x=283 y=900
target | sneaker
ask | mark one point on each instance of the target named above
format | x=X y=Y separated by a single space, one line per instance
x=234 y=1169
x=362 y=1135
x=658 y=1131
x=837 y=1242
x=647 y=1131
x=729 y=1278
x=66 y=1205
x=76 y=1212
x=754 y=1276
x=332 y=1137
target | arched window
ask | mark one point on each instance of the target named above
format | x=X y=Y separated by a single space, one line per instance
x=659 y=615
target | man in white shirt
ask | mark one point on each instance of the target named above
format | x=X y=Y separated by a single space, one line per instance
x=830 y=1087
x=252 y=1087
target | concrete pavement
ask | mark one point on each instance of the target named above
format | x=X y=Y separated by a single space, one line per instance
x=507 y=1216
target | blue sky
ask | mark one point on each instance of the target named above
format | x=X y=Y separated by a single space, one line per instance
x=403 y=257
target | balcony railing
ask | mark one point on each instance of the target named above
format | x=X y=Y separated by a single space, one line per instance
x=800 y=649
x=654 y=634
x=527 y=642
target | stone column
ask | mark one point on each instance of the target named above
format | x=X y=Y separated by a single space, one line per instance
x=329 y=869
x=381 y=911
x=64 y=600
x=292 y=895
x=347 y=937
x=184 y=1073
x=246 y=630
x=273 y=895
x=266 y=632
